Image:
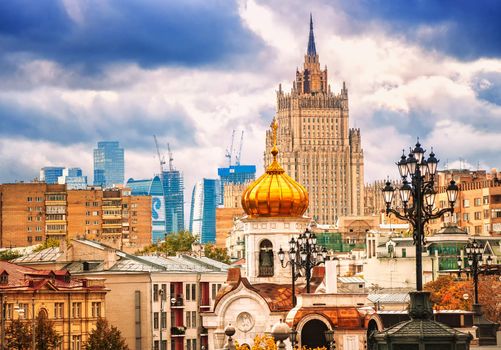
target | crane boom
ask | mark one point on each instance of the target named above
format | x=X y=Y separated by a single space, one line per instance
x=229 y=151
x=171 y=159
x=239 y=154
x=160 y=158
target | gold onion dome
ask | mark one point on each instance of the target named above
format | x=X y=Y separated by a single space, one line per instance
x=275 y=193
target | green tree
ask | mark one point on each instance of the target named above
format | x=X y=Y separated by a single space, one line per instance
x=9 y=255
x=46 y=338
x=49 y=243
x=18 y=335
x=219 y=254
x=174 y=243
x=106 y=337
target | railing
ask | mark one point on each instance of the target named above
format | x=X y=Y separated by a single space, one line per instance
x=177 y=330
x=265 y=271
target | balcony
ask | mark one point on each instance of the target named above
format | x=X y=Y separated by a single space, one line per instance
x=204 y=332
x=177 y=304
x=177 y=331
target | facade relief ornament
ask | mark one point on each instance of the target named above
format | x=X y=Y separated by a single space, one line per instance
x=245 y=322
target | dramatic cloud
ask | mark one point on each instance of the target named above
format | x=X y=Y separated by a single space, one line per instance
x=76 y=72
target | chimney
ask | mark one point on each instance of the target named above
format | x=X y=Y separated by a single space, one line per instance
x=331 y=276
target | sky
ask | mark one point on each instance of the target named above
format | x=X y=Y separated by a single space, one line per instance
x=73 y=73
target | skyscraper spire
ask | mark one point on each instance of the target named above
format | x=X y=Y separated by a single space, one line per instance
x=312 y=51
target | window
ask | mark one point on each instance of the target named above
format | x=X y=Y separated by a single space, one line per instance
x=58 y=310
x=486 y=213
x=193 y=292
x=404 y=252
x=486 y=199
x=22 y=310
x=466 y=203
x=215 y=289
x=75 y=342
x=164 y=320
x=478 y=230
x=477 y=201
x=155 y=292
x=466 y=217
x=194 y=319
x=187 y=291
x=164 y=293
x=76 y=309
x=155 y=347
x=188 y=319
x=155 y=320
x=29 y=199
x=265 y=259
x=478 y=215
x=30 y=218
x=96 y=309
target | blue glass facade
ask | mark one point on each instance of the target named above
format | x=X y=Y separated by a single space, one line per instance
x=108 y=164
x=204 y=201
x=73 y=178
x=152 y=187
x=235 y=174
x=50 y=174
x=173 y=187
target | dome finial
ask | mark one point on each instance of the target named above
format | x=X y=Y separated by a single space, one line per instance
x=274 y=128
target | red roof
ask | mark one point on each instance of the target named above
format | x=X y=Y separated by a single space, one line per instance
x=27 y=278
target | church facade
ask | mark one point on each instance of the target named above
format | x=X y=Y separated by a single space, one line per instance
x=318 y=149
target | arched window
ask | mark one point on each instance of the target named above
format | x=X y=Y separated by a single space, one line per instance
x=43 y=313
x=265 y=259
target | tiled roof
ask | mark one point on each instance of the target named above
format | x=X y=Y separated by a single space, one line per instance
x=26 y=278
x=339 y=317
x=419 y=328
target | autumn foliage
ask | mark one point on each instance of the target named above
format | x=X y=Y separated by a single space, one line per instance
x=266 y=342
x=447 y=294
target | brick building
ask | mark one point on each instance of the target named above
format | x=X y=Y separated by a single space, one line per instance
x=32 y=212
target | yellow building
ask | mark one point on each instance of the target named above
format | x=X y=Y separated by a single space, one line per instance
x=73 y=305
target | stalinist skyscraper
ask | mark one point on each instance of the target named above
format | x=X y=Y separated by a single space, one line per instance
x=317 y=147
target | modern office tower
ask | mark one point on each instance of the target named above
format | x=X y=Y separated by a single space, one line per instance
x=152 y=187
x=317 y=148
x=108 y=164
x=204 y=201
x=32 y=212
x=173 y=187
x=73 y=179
x=235 y=175
x=49 y=174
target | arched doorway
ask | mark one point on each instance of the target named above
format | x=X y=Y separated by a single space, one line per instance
x=313 y=334
x=371 y=328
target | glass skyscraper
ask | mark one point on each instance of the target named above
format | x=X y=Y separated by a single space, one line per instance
x=153 y=188
x=173 y=187
x=49 y=174
x=108 y=164
x=235 y=174
x=204 y=202
x=73 y=178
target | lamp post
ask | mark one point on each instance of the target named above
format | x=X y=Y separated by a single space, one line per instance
x=418 y=197
x=304 y=254
x=329 y=336
x=293 y=337
x=475 y=266
x=161 y=295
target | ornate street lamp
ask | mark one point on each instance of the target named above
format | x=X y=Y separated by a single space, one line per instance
x=418 y=198
x=475 y=266
x=293 y=337
x=304 y=254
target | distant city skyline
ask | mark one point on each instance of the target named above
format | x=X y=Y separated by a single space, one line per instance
x=425 y=69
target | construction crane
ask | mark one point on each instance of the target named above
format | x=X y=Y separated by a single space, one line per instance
x=229 y=151
x=239 y=154
x=161 y=159
x=171 y=159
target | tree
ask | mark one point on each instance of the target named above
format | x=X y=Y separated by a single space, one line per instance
x=48 y=243
x=219 y=254
x=46 y=338
x=106 y=337
x=18 y=335
x=9 y=255
x=174 y=243
x=266 y=342
x=447 y=294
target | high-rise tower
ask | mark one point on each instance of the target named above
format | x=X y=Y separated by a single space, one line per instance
x=108 y=164
x=317 y=147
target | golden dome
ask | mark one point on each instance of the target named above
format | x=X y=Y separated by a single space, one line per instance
x=275 y=193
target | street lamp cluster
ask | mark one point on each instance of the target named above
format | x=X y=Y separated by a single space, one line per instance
x=475 y=263
x=304 y=255
x=417 y=194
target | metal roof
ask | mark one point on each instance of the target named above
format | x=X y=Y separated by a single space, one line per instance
x=389 y=298
x=356 y=280
x=46 y=255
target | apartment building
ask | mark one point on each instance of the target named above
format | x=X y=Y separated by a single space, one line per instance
x=30 y=213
